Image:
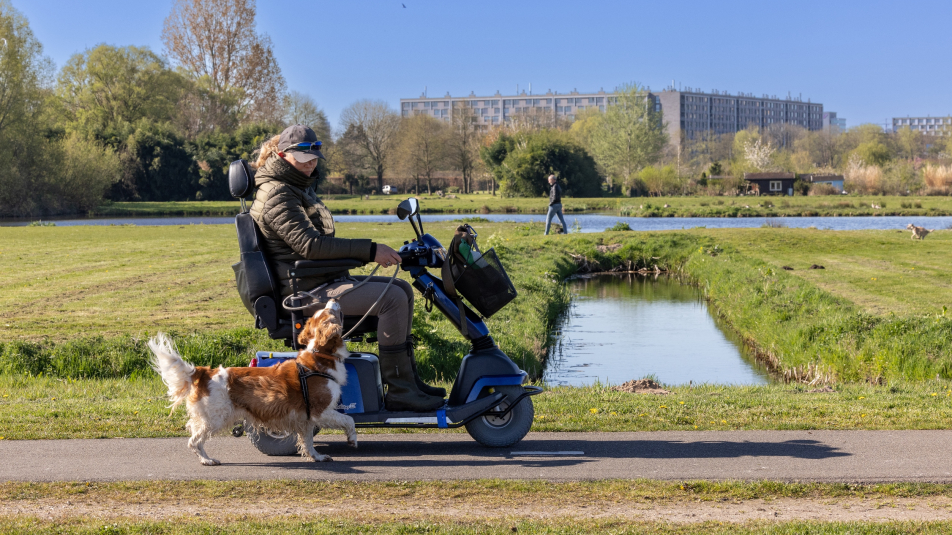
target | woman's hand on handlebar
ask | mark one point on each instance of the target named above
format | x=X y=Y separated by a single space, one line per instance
x=386 y=256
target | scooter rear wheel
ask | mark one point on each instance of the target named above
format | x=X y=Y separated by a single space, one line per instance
x=274 y=444
x=501 y=432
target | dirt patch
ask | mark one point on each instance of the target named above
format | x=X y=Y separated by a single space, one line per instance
x=608 y=248
x=739 y=511
x=822 y=390
x=641 y=386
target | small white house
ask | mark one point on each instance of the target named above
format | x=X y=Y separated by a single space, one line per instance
x=390 y=190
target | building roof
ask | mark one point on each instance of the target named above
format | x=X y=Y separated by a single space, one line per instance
x=769 y=176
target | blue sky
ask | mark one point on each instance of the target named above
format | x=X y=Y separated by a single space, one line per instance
x=868 y=60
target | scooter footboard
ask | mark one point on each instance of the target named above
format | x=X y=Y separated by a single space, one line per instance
x=483 y=369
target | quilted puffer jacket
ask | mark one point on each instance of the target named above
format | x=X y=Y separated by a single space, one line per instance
x=296 y=225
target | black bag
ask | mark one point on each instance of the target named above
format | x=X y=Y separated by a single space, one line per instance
x=483 y=282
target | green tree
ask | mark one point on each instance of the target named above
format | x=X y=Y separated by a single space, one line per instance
x=105 y=89
x=873 y=153
x=659 y=180
x=911 y=143
x=215 y=151
x=629 y=136
x=44 y=171
x=156 y=165
x=521 y=163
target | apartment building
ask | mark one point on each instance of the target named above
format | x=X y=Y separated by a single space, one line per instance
x=497 y=109
x=933 y=126
x=833 y=123
x=687 y=112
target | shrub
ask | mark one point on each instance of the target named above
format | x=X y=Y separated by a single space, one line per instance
x=937 y=176
x=825 y=189
x=620 y=226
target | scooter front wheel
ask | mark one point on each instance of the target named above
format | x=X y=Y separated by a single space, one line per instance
x=504 y=431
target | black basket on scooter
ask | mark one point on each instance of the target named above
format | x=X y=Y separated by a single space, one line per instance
x=484 y=283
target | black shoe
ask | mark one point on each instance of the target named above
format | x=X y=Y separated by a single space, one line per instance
x=396 y=370
x=425 y=388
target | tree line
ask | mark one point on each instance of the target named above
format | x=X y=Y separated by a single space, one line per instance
x=130 y=124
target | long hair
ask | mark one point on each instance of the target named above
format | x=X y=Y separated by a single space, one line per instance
x=267 y=148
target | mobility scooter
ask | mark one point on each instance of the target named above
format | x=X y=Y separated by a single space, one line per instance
x=489 y=396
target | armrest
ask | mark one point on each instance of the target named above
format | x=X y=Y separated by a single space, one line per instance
x=342 y=263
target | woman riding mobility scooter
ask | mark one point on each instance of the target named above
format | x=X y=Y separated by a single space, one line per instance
x=489 y=396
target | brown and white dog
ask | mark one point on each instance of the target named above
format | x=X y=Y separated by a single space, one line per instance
x=918 y=233
x=269 y=397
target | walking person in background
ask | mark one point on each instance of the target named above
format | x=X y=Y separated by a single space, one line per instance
x=555 y=205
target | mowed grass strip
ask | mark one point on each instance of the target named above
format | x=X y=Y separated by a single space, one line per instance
x=487 y=492
x=52 y=408
x=242 y=524
x=480 y=506
x=484 y=203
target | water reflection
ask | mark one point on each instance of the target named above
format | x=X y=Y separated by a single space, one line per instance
x=587 y=222
x=629 y=326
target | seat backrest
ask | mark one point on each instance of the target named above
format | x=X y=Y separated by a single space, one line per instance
x=240 y=179
x=253 y=274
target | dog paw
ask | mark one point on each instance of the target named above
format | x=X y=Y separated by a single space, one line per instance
x=211 y=462
x=352 y=443
x=322 y=458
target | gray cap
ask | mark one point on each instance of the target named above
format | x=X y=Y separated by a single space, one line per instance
x=295 y=134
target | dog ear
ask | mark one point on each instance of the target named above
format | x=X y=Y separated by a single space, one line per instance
x=311 y=328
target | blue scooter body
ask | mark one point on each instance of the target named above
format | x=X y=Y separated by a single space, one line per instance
x=362 y=395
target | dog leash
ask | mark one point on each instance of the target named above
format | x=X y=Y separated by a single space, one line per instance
x=303 y=374
x=312 y=295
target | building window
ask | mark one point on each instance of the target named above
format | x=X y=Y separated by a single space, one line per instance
x=776 y=185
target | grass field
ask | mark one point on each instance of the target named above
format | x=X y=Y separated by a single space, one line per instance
x=482 y=203
x=54 y=408
x=77 y=304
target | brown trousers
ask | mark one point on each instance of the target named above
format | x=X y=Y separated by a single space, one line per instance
x=394 y=311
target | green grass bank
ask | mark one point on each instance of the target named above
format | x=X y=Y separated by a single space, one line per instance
x=483 y=203
x=78 y=303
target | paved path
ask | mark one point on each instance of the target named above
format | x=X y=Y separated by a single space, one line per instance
x=833 y=456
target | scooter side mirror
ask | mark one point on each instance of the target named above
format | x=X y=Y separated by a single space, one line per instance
x=409 y=207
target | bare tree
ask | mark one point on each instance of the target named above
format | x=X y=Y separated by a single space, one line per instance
x=463 y=144
x=535 y=119
x=422 y=148
x=375 y=126
x=301 y=109
x=216 y=41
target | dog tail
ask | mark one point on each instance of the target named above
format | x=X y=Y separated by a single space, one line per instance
x=175 y=372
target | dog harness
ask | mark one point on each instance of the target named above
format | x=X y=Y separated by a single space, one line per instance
x=304 y=373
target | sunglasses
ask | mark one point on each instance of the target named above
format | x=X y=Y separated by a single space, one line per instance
x=304 y=147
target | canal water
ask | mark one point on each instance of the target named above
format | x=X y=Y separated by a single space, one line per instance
x=623 y=327
x=587 y=222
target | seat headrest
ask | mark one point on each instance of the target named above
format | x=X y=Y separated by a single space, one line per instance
x=240 y=179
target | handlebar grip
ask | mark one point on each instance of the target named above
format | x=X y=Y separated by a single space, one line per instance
x=406 y=255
